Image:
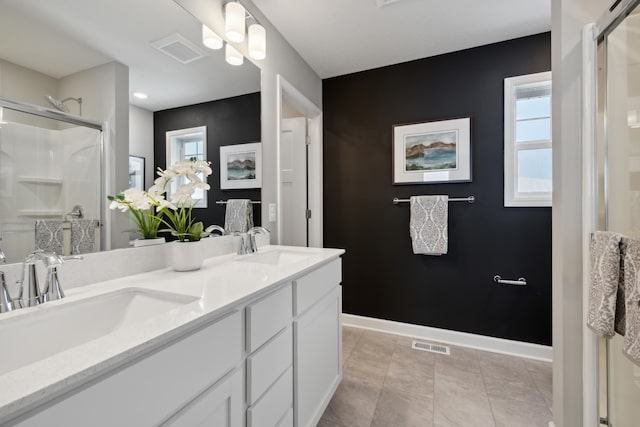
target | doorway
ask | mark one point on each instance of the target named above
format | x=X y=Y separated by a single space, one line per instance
x=299 y=193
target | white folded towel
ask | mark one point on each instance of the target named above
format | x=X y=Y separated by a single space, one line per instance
x=631 y=345
x=428 y=226
x=48 y=235
x=83 y=236
x=238 y=216
x=605 y=276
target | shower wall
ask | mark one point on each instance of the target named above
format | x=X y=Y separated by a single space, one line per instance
x=43 y=174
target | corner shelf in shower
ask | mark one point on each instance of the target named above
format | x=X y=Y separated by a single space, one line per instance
x=37 y=213
x=45 y=180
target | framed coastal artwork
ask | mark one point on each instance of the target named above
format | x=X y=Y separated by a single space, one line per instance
x=432 y=152
x=241 y=166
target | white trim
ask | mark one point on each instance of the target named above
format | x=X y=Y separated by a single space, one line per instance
x=513 y=198
x=590 y=374
x=462 y=339
x=314 y=116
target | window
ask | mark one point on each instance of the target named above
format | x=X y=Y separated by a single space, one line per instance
x=185 y=144
x=527 y=140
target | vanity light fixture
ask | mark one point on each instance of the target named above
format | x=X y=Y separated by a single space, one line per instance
x=140 y=95
x=211 y=39
x=234 y=21
x=257 y=42
x=232 y=55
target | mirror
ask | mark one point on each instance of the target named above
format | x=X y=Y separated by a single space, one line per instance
x=93 y=56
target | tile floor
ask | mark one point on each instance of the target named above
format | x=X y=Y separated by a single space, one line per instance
x=388 y=384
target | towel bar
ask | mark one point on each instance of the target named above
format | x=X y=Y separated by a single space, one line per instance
x=469 y=199
x=224 y=202
x=520 y=282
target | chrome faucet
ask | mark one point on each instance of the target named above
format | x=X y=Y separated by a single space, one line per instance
x=3 y=257
x=212 y=228
x=248 y=240
x=29 y=293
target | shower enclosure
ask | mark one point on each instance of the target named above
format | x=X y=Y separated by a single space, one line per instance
x=611 y=96
x=51 y=168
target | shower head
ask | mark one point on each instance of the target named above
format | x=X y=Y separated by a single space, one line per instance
x=59 y=104
x=56 y=103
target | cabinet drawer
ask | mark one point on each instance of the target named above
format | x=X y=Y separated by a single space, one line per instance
x=267 y=317
x=312 y=287
x=152 y=389
x=268 y=363
x=268 y=411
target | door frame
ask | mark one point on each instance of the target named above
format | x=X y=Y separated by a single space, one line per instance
x=293 y=96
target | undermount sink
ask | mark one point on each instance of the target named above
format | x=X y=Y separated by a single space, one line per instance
x=277 y=257
x=49 y=330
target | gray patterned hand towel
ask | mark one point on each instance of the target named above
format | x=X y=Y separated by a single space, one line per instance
x=604 y=250
x=429 y=224
x=631 y=345
x=83 y=236
x=49 y=235
x=238 y=216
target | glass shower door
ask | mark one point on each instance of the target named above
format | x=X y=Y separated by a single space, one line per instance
x=619 y=173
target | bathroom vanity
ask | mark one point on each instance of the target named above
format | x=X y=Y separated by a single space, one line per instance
x=249 y=340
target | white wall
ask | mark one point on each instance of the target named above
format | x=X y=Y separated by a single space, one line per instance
x=105 y=93
x=568 y=18
x=281 y=59
x=141 y=139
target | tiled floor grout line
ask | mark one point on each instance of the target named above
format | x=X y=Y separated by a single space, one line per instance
x=486 y=391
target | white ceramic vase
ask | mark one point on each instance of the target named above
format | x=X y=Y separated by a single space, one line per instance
x=138 y=243
x=186 y=256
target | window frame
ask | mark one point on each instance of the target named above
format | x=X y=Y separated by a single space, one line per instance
x=513 y=197
x=172 y=138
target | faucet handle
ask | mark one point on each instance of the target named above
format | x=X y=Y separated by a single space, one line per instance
x=52 y=287
x=6 y=303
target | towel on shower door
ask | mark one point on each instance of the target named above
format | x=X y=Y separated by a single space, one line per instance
x=49 y=235
x=631 y=345
x=83 y=236
x=428 y=225
x=238 y=216
x=604 y=249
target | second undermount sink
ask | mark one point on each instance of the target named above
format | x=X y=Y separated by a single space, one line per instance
x=276 y=257
x=49 y=330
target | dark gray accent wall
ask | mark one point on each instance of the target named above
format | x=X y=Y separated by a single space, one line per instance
x=382 y=277
x=229 y=121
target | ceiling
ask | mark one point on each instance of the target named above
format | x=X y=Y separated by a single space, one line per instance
x=338 y=37
x=62 y=37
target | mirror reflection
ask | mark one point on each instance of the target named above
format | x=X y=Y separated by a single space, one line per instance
x=105 y=61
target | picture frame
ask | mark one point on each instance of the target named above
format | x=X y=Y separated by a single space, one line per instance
x=432 y=152
x=136 y=172
x=241 y=166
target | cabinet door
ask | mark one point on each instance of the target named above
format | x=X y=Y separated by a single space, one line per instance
x=318 y=358
x=219 y=406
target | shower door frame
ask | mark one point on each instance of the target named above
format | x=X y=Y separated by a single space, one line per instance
x=592 y=35
x=37 y=110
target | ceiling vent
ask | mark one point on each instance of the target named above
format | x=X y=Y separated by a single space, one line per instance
x=179 y=48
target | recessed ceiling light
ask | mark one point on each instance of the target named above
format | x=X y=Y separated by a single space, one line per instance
x=140 y=95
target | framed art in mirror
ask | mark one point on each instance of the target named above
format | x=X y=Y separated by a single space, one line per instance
x=136 y=172
x=241 y=166
x=432 y=152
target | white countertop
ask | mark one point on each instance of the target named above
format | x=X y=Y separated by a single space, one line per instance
x=222 y=283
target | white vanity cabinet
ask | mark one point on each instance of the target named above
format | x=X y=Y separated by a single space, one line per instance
x=318 y=341
x=272 y=360
x=154 y=388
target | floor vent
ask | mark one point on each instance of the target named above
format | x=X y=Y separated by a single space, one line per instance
x=179 y=48
x=432 y=348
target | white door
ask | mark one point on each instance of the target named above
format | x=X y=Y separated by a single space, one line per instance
x=293 y=175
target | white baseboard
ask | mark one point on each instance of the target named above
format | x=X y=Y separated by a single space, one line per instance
x=462 y=339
